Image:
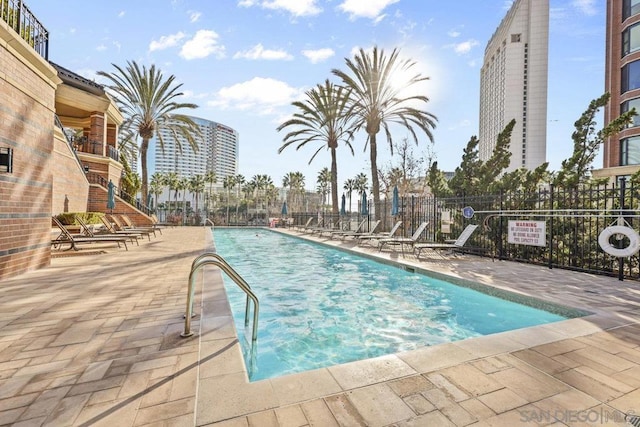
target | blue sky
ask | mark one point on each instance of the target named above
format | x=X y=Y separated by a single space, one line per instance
x=244 y=61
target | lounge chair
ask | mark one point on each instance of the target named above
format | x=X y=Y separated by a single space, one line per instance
x=115 y=229
x=314 y=229
x=457 y=244
x=128 y=224
x=358 y=229
x=67 y=238
x=403 y=240
x=301 y=227
x=90 y=232
x=334 y=228
x=357 y=232
x=378 y=236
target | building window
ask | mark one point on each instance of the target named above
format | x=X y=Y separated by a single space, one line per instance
x=631 y=39
x=630 y=8
x=630 y=104
x=515 y=38
x=630 y=151
x=630 y=77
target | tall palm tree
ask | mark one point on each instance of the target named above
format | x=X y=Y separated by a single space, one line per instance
x=149 y=103
x=324 y=181
x=228 y=183
x=322 y=118
x=349 y=187
x=378 y=100
x=361 y=183
x=171 y=180
x=196 y=186
x=156 y=185
x=183 y=185
x=295 y=182
x=210 y=178
x=239 y=182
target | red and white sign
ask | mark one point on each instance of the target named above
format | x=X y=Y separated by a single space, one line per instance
x=530 y=233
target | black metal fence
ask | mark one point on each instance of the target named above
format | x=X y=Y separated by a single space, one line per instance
x=19 y=17
x=569 y=224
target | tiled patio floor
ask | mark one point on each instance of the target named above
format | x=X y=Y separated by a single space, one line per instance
x=95 y=340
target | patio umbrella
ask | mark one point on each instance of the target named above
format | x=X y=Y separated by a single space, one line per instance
x=284 y=208
x=394 y=201
x=364 y=209
x=343 y=209
x=111 y=198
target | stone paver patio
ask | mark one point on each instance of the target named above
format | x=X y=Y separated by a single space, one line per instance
x=95 y=340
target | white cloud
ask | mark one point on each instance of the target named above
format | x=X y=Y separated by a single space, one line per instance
x=121 y=14
x=101 y=48
x=264 y=95
x=259 y=52
x=318 y=55
x=294 y=7
x=453 y=33
x=203 y=44
x=166 y=41
x=463 y=47
x=365 y=8
x=194 y=16
x=588 y=7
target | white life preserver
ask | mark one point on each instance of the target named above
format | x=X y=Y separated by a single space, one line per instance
x=628 y=232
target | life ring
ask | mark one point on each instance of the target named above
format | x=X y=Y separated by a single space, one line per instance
x=628 y=232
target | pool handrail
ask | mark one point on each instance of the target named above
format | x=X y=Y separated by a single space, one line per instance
x=206 y=259
x=208 y=220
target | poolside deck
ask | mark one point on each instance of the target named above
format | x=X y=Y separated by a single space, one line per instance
x=94 y=340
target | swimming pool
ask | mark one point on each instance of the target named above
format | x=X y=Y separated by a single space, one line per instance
x=321 y=306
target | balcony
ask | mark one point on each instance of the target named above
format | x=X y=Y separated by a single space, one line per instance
x=22 y=21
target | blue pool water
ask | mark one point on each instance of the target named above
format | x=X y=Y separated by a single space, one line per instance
x=320 y=306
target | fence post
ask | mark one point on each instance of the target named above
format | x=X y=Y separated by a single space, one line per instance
x=501 y=234
x=551 y=202
x=623 y=185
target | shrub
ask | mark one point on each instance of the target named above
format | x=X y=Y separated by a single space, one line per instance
x=69 y=218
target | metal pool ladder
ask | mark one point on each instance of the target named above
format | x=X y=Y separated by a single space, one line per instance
x=211 y=258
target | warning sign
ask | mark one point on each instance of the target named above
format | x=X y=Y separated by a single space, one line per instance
x=530 y=233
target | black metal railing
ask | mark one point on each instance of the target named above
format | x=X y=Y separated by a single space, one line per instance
x=19 y=17
x=95 y=178
x=69 y=140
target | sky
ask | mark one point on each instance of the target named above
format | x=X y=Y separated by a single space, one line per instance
x=243 y=62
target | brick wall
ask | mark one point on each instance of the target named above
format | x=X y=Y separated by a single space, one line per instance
x=98 y=203
x=27 y=96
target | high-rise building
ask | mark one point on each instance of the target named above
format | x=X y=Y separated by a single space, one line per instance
x=621 y=156
x=513 y=84
x=218 y=147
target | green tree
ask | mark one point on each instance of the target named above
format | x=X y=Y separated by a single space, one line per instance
x=196 y=186
x=499 y=161
x=183 y=185
x=378 y=100
x=150 y=103
x=349 y=187
x=467 y=176
x=156 y=185
x=436 y=181
x=239 y=182
x=171 y=180
x=130 y=182
x=322 y=118
x=295 y=182
x=324 y=183
x=575 y=171
x=228 y=183
x=210 y=178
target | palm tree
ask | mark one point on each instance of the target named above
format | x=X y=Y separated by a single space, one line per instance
x=183 y=185
x=239 y=182
x=171 y=180
x=324 y=180
x=196 y=186
x=322 y=118
x=156 y=184
x=361 y=183
x=349 y=187
x=210 y=178
x=295 y=182
x=149 y=103
x=378 y=100
x=228 y=183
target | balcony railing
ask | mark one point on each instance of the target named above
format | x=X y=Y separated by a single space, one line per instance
x=95 y=178
x=19 y=17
